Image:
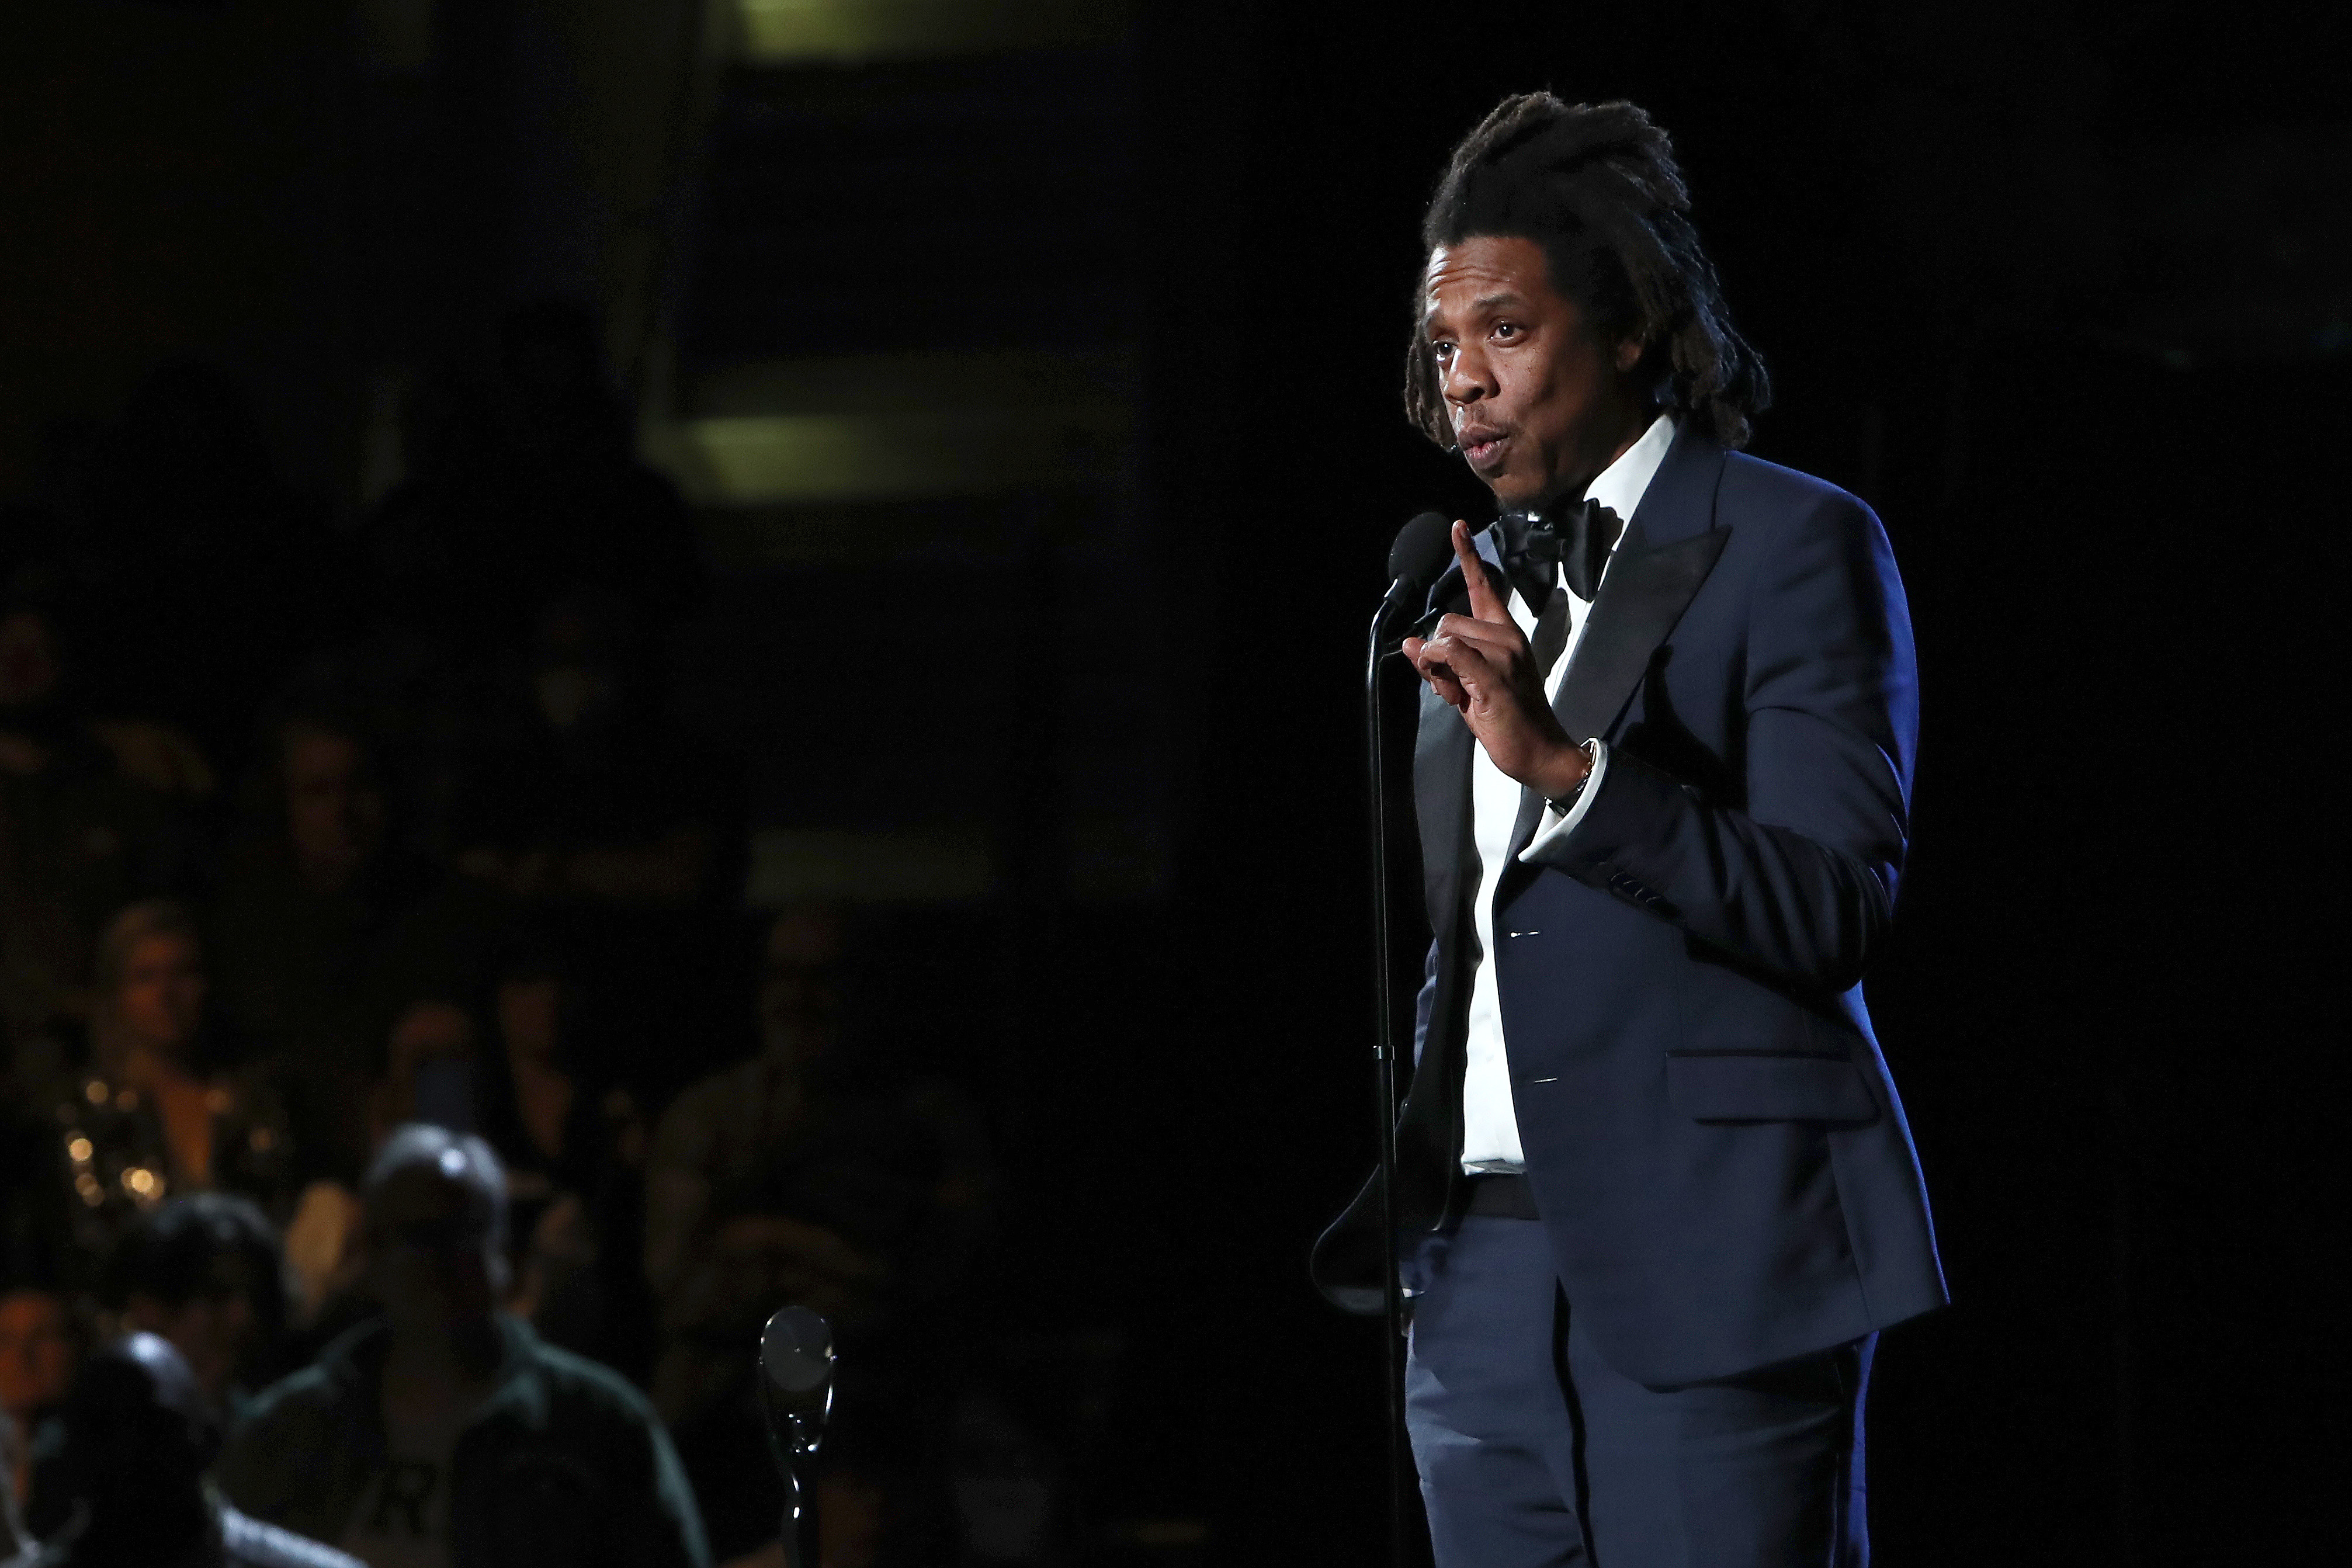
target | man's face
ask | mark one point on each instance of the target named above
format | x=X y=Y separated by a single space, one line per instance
x=1537 y=403
x=530 y=1017
x=432 y=1252
x=798 y=1005
x=163 y=995
x=332 y=811
x=799 y=1000
x=37 y=1353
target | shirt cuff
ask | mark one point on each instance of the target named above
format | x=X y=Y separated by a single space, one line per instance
x=1558 y=825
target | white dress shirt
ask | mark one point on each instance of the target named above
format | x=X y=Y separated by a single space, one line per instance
x=1490 y=1126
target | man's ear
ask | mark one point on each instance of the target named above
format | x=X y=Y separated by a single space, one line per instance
x=1628 y=354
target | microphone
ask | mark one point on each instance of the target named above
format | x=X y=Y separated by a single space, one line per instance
x=1419 y=558
x=796 y=1364
x=1422 y=551
x=796 y=1379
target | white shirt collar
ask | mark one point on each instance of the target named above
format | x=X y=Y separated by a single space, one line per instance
x=1620 y=485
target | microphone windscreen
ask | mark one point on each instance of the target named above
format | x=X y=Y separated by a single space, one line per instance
x=796 y=1351
x=1423 y=549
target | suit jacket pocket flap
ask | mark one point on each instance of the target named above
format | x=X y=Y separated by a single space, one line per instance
x=1764 y=1085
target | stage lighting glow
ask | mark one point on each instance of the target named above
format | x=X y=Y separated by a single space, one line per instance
x=797 y=32
x=899 y=426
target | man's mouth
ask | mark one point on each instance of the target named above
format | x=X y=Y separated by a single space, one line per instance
x=1481 y=447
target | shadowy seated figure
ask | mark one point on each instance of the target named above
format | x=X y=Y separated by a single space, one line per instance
x=431 y=1070
x=524 y=485
x=158 y=1093
x=125 y=1487
x=446 y=1433
x=583 y=791
x=795 y=1175
x=326 y=929
x=574 y=1152
x=806 y=1174
x=89 y=821
x=205 y=1272
x=155 y=1111
x=40 y=1350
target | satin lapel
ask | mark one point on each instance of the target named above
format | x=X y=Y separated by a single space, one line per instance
x=1441 y=804
x=1669 y=548
x=1639 y=604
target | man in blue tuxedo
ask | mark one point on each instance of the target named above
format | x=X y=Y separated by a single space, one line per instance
x=1657 y=1191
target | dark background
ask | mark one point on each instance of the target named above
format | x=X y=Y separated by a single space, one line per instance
x=2009 y=266
x=2063 y=291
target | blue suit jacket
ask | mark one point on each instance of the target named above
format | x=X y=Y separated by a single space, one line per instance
x=1713 y=1140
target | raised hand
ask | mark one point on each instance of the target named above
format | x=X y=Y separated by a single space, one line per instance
x=1481 y=664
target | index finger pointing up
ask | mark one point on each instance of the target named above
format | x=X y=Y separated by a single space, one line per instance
x=1485 y=604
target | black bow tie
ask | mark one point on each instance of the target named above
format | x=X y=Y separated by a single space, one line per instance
x=1568 y=543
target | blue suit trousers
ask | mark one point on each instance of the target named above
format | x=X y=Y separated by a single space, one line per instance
x=1534 y=1453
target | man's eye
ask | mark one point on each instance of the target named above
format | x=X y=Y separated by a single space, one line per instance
x=1505 y=329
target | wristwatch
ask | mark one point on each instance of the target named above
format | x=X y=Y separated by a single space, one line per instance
x=1567 y=802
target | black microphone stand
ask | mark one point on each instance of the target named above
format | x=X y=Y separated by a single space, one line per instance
x=796 y=1367
x=1387 y=1047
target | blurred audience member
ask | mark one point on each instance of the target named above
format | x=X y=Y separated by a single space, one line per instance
x=323 y=1258
x=80 y=834
x=125 y=1487
x=581 y=790
x=800 y=1176
x=585 y=801
x=154 y=1112
x=204 y=1273
x=39 y=1351
x=574 y=1153
x=327 y=932
x=35 y=696
x=525 y=487
x=551 y=1130
x=794 y=1177
x=447 y=1431
x=431 y=1072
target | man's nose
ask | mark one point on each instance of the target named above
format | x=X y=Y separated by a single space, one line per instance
x=1465 y=380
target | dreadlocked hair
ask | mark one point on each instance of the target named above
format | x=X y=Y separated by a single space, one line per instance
x=1596 y=185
